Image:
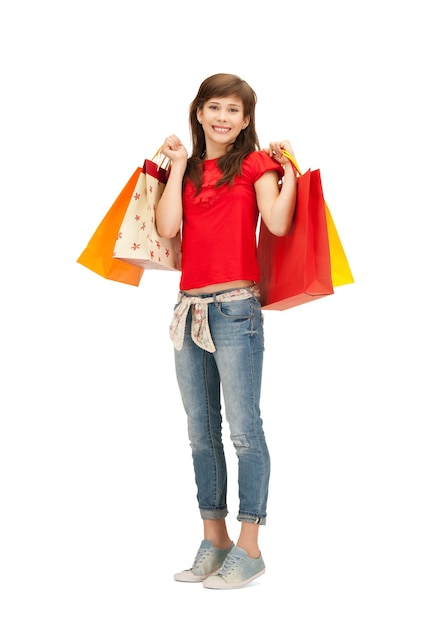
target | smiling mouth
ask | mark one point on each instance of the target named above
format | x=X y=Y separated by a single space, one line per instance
x=221 y=129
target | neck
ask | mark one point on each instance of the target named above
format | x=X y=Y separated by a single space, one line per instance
x=215 y=151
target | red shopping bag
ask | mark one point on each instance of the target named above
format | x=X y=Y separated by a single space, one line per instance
x=296 y=268
x=98 y=255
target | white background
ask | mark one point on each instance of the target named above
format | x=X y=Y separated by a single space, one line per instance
x=97 y=494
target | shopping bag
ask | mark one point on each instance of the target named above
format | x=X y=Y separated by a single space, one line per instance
x=308 y=262
x=138 y=241
x=341 y=272
x=295 y=268
x=98 y=254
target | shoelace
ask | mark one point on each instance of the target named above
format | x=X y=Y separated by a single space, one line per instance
x=230 y=563
x=200 y=556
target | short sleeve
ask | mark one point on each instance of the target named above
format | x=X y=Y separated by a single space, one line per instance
x=258 y=163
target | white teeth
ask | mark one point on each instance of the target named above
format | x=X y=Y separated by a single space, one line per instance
x=219 y=129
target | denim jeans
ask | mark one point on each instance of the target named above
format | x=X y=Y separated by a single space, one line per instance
x=235 y=368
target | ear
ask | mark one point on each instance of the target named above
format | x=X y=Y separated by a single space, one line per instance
x=246 y=121
x=199 y=115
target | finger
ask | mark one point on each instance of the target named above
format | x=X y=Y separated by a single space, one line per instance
x=172 y=142
x=275 y=150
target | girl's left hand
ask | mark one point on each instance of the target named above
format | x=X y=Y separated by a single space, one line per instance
x=275 y=148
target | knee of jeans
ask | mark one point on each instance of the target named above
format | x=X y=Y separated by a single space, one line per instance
x=240 y=442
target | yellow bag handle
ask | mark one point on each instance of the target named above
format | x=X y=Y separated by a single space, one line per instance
x=292 y=160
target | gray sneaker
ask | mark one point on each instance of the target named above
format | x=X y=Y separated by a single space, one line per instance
x=238 y=570
x=208 y=560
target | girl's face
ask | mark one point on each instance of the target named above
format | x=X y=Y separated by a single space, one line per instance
x=222 y=120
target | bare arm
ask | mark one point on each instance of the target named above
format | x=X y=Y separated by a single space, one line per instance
x=169 y=208
x=277 y=207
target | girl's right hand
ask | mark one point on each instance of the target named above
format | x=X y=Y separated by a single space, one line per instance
x=174 y=149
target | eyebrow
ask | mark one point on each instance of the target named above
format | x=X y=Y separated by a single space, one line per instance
x=231 y=104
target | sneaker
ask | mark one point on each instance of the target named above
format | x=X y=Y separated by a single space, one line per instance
x=238 y=570
x=208 y=561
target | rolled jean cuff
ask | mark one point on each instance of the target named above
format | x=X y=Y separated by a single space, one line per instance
x=213 y=513
x=251 y=519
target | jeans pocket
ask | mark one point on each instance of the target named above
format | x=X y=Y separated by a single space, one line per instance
x=238 y=309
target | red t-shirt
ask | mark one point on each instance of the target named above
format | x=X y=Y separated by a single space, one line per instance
x=219 y=225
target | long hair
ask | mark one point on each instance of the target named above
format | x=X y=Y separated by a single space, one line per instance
x=222 y=86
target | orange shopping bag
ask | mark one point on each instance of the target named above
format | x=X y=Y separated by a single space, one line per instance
x=98 y=255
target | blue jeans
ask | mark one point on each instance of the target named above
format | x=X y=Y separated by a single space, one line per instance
x=236 y=368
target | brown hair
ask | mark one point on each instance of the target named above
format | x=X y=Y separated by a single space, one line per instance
x=221 y=86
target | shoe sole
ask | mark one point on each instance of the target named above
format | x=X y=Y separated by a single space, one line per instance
x=218 y=582
x=194 y=578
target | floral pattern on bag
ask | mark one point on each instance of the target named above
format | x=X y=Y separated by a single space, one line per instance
x=138 y=241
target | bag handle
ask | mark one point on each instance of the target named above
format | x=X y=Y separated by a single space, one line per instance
x=160 y=163
x=292 y=160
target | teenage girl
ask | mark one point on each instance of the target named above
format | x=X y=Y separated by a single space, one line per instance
x=215 y=198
